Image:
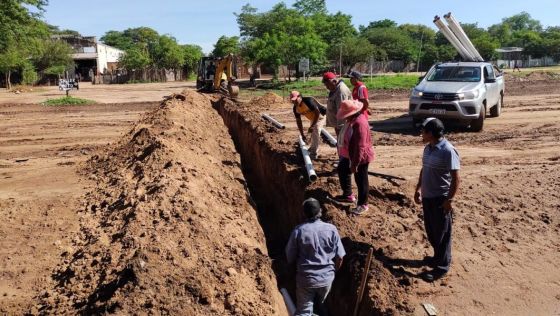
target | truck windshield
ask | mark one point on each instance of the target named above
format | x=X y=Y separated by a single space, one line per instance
x=457 y=73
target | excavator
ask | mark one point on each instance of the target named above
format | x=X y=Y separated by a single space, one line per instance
x=218 y=75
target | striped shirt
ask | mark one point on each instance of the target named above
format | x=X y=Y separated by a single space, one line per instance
x=437 y=163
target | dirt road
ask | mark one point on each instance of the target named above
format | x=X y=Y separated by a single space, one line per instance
x=506 y=229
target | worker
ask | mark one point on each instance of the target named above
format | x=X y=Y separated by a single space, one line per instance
x=314 y=112
x=437 y=186
x=356 y=152
x=316 y=249
x=338 y=92
x=210 y=71
x=360 y=91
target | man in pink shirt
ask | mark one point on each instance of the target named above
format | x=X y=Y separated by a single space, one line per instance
x=360 y=91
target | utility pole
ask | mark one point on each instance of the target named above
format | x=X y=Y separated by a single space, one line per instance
x=340 y=61
x=419 y=52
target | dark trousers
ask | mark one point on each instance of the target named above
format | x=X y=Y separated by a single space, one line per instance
x=438 y=230
x=361 y=177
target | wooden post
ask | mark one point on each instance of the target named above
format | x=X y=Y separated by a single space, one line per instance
x=363 y=282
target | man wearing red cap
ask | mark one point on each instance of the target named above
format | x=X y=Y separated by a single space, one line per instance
x=360 y=91
x=338 y=92
x=311 y=109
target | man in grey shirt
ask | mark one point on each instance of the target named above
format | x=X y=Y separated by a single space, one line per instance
x=437 y=185
x=338 y=92
x=317 y=251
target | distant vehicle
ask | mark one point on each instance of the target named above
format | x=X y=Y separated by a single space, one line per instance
x=217 y=74
x=459 y=91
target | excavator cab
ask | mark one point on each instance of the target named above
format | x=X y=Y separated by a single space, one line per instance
x=218 y=75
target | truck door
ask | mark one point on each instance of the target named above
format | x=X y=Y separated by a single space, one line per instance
x=492 y=87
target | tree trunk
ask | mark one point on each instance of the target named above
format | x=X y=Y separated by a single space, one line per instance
x=8 y=80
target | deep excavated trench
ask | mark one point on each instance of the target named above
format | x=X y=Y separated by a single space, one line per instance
x=169 y=228
x=279 y=192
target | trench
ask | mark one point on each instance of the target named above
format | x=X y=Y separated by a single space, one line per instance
x=278 y=194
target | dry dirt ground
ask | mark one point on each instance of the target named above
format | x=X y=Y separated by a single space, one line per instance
x=70 y=176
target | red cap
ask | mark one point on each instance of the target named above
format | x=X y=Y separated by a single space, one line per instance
x=329 y=76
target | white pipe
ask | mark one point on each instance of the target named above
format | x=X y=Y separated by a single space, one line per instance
x=273 y=121
x=307 y=161
x=453 y=39
x=288 y=300
x=329 y=137
x=462 y=36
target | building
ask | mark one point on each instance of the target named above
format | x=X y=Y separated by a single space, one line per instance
x=92 y=58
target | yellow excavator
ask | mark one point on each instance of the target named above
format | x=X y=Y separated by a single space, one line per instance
x=218 y=75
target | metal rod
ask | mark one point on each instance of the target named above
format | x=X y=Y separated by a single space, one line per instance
x=329 y=137
x=273 y=121
x=363 y=281
x=453 y=39
x=307 y=161
x=462 y=36
x=288 y=300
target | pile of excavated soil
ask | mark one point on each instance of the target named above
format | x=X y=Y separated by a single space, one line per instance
x=169 y=228
x=268 y=101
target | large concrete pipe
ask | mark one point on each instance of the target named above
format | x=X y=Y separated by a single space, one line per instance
x=288 y=300
x=329 y=137
x=312 y=176
x=462 y=36
x=273 y=121
x=453 y=39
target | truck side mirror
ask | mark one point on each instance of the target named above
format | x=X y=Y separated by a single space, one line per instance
x=489 y=80
x=420 y=78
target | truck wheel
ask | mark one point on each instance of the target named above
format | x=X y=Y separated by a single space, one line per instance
x=416 y=122
x=496 y=110
x=477 y=124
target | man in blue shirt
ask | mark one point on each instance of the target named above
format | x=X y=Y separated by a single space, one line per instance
x=316 y=249
x=437 y=186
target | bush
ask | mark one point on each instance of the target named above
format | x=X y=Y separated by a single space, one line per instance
x=68 y=101
x=29 y=75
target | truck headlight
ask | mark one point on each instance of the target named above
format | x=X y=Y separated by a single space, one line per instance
x=470 y=95
x=417 y=93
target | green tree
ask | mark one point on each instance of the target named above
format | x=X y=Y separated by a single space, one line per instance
x=523 y=21
x=396 y=43
x=191 y=55
x=167 y=54
x=386 y=23
x=20 y=31
x=135 y=58
x=311 y=7
x=225 y=46
x=53 y=57
x=352 y=50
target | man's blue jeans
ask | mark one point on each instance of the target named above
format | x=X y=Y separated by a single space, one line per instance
x=308 y=296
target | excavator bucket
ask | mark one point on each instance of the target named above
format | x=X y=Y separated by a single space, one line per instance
x=233 y=91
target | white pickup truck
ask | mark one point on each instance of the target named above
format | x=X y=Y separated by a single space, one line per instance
x=459 y=91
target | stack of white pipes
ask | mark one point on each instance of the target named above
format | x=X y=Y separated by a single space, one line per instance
x=457 y=37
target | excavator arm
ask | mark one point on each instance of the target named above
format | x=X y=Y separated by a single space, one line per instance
x=223 y=78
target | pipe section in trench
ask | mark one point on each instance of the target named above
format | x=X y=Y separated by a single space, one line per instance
x=278 y=194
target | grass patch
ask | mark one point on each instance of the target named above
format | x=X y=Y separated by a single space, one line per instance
x=68 y=101
x=315 y=87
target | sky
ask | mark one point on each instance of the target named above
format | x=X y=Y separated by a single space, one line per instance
x=203 y=22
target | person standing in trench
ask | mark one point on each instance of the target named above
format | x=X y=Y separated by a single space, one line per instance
x=316 y=249
x=437 y=186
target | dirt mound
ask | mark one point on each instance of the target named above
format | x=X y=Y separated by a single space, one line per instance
x=169 y=228
x=532 y=76
x=269 y=101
